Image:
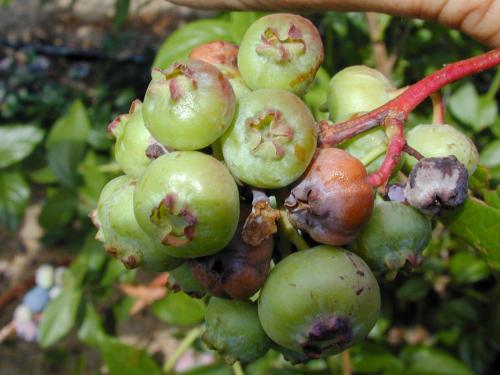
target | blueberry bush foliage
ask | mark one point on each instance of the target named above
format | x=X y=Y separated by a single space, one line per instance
x=441 y=318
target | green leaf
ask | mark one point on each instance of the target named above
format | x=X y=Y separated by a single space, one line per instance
x=122 y=359
x=490 y=155
x=178 y=45
x=492 y=197
x=432 y=361
x=413 y=289
x=480 y=180
x=467 y=268
x=66 y=143
x=59 y=317
x=316 y=95
x=14 y=197
x=375 y=359
x=240 y=22
x=479 y=224
x=91 y=331
x=464 y=104
x=121 y=12
x=18 y=141
x=217 y=369
x=58 y=209
x=179 y=309
x=487 y=113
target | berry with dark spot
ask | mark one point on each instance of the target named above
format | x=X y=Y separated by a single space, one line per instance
x=437 y=184
x=272 y=139
x=189 y=105
x=334 y=199
x=188 y=203
x=280 y=51
x=234 y=330
x=396 y=234
x=319 y=302
x=438 y=140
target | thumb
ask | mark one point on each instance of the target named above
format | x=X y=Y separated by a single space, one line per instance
x=477 y=18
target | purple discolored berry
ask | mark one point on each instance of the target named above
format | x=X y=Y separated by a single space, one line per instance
x=437 y=184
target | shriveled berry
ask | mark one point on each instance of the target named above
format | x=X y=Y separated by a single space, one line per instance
x=272 y=139
x=234 y=330
x=182 y=279
x=189 y=105
x=223 y=55
x=438 y=140
x=239 y=270
x=334 y=199
x=188 y=203
x=122 y=236
x=395 y=234
x=320 y=301
x=134 y=147
x=437 y=184
x=280 y=51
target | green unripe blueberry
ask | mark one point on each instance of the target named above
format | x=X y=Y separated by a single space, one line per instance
x=189 y=105
x=122 y=236
x=182 y=278
x=134 y=147
x=188 y=202
x=280 y=51
x=396 y=233
x=234 y=330
x=272 y=139
x=353 y=91
x=319 y=302
x=442 y=140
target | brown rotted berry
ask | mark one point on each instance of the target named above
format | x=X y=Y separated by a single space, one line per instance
x=333 y=200
x=239 y=270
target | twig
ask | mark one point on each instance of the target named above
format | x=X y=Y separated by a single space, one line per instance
x=384 y=63
x=438 y=108
x=237 y=369
x=346 y=363
x=289 y=231
x=181 y=349
x=7 y=331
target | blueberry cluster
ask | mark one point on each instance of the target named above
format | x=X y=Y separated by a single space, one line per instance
x=225 y=188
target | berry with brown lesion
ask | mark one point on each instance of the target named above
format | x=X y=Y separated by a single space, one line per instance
x=239 y=270
x=334 y=199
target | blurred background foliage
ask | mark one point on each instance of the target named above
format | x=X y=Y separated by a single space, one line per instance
x=55 y=153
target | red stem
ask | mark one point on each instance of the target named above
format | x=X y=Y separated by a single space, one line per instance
x=395 y=131
x=401 y=106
